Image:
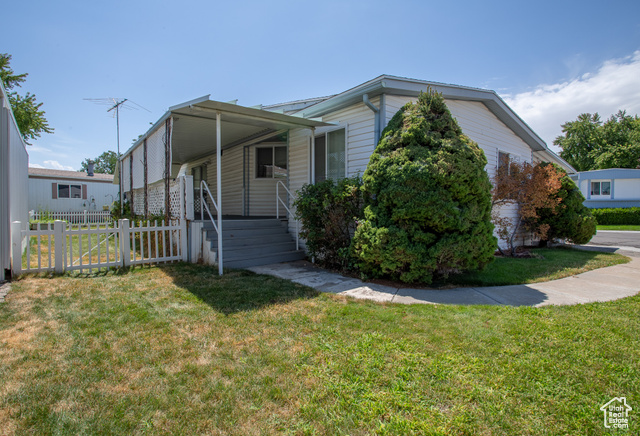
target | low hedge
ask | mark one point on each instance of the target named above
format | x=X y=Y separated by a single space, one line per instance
x=617 y=216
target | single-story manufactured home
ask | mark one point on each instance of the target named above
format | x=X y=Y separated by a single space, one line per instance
x=252 y=160
x=613 y=187
x=70 y=191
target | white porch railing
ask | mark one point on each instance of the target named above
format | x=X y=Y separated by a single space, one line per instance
x=74 y=217
x=278 y=201
x=59 y=246
x=218 y=227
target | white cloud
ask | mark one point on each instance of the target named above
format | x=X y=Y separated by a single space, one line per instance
x=51 y=164
x=614 y=86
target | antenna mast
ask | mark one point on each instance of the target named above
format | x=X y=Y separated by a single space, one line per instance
x=116 y=106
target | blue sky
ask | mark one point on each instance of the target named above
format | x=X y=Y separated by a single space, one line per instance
x=549 y=60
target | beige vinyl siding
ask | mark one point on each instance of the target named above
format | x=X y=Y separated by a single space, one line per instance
x=299 y=167
x=359 y=122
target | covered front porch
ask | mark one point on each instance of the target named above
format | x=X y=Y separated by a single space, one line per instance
x=242 y=155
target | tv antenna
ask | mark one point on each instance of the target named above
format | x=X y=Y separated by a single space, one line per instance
x=116 y=104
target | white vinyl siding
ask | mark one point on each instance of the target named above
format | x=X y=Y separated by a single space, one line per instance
x=626 y=189
x=359 y=122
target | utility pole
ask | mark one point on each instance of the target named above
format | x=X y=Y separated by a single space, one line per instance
x=116 y=106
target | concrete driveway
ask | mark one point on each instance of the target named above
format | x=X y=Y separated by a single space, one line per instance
x=616 y=238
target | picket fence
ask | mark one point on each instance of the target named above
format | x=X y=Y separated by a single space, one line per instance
x=61 y=246
x=77 y=217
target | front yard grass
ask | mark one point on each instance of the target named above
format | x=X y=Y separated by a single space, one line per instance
x=179 y=350
x=619 y=227
x=547 y=264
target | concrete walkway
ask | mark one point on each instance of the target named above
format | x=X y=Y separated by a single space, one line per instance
x=604 y=284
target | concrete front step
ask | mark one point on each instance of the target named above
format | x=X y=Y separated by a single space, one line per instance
x=288 y=256
x=246 y=224
x=253 y=242
x=238 y=253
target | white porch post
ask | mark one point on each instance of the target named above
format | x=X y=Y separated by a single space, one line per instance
x=313 y=156
x=219 y=189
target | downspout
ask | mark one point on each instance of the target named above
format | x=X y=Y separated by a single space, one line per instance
x=376 y=117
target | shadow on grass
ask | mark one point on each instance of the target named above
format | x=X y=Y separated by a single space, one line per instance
x=237 y=290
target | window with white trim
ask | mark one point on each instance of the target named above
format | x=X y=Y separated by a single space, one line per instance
x=601 y=188
x=329 y=157
x=271 y=162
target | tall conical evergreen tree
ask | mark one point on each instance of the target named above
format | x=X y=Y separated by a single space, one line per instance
x=428 y=198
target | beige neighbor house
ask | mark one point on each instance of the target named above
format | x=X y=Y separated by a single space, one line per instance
x=253 y=159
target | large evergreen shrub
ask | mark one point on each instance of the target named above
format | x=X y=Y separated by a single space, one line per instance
x=570 y=219
x=328 y=212
x=427 y=196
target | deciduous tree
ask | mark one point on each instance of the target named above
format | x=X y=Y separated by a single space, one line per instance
x=528 y=188
x=590 y=144
x=105 y=163
x=26 y=110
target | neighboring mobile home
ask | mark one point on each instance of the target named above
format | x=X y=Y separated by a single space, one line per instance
x=14 y=194
x=613 y=187
x=70 y=191
x=290 y=144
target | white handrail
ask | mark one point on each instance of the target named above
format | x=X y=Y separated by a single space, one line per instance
x=203 y=206
x=278 y=201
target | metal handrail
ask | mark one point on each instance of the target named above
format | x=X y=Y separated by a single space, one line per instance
x=278 y=201
x=203 y=204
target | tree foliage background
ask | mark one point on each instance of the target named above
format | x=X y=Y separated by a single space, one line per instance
x=105 y=163
x=590 y=144
x=26 y=110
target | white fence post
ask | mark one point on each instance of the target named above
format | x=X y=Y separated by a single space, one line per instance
x=125 y=248
x=85 y=217
x=184 y=246
x=16 y=244
x=58 y=238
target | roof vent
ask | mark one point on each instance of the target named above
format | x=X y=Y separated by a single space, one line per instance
x=90 y=166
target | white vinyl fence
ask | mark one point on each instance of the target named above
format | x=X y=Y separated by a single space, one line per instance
x=79 y=217
x=60 y=246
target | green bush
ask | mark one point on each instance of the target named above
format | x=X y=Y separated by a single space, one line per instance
x=570 y=219
x=617 y=216
x=328 y=212
x=427 y=197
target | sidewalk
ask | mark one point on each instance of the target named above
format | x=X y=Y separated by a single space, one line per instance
x=604 y=284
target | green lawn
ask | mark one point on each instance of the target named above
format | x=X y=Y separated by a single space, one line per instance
x=548 y=264
x=179 y=350
x=619 y=227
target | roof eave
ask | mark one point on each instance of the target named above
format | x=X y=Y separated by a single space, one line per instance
x=392 y=85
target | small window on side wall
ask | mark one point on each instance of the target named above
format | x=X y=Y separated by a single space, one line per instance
x=329 y=156
x=271 y=162
x=601 y=189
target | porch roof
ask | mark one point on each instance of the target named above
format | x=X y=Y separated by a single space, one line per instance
x=194 y=127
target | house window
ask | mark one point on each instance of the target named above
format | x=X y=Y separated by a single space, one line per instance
x=503 y=159
x=69 y=191
x=601 y=188
x=271 y=162
x=329 y=156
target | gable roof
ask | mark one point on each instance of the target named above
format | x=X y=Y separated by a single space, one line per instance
x=46 y=173
x=394 y=85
